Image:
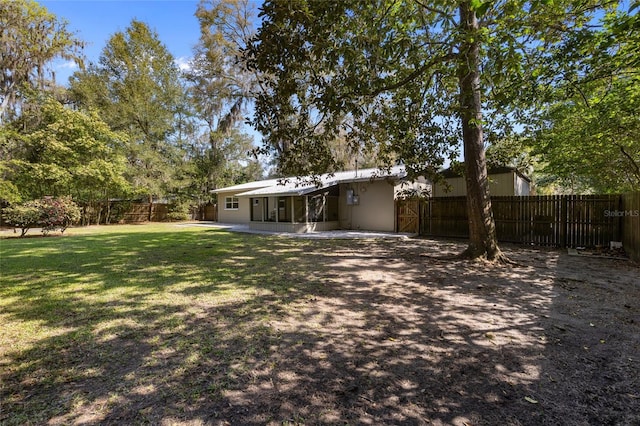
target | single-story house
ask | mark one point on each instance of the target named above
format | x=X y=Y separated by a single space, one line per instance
x=358 y=200
x=502 y=181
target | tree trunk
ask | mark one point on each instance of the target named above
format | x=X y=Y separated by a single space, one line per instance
x=482 y=230
x=107 y=218
x=150 y=207
x=98 y=212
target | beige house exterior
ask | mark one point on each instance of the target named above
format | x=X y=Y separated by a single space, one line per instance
x=358 y=200
x=504 y=181
x=232 y=209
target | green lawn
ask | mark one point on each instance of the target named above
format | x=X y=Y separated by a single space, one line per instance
x=101 y=313
x=165 y=324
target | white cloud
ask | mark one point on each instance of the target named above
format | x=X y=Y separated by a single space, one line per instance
x=183 y=63
x=67 y=65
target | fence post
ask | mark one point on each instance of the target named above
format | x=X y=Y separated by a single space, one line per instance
x=631 y=225
x=563 y=220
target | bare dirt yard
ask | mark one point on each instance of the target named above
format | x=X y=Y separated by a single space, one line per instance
x=395 y=336
x=363 y=332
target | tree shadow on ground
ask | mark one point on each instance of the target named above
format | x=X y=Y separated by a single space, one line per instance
x=236 y=329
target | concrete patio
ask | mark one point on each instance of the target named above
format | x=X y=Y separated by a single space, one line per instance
x=336 y=234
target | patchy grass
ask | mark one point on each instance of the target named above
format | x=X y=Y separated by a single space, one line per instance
x=105 y=313
x=160 y=324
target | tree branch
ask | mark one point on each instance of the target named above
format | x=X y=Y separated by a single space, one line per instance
x=582 y=94
x=412 y=76
x=431 y=8
x=386 y=12
x=633 y=162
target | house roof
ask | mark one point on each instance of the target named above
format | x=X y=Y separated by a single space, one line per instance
x=248 y=186
x=293 y=186
x=449 y=173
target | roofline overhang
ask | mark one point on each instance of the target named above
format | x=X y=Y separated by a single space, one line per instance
x=306 y=189
x=311 y=189
x=296 y=192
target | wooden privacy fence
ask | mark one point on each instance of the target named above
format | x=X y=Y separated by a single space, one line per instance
x=139 y=212
x=557 y=220
x=205 y=212
x=631 y=224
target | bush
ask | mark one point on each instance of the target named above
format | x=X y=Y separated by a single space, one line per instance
x=178 y=212
x=47 y=213
x=58 y=213
x=24 y=216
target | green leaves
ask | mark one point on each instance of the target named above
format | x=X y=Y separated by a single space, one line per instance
x=357 y=71
x=587 y=124
x=590 y=143
x=47 y=213
x=136 y=87
x=481 y=7
x=219 y=88
x=68 y=153
x=31 y=38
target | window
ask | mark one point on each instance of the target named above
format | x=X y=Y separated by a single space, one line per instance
x=231 y=203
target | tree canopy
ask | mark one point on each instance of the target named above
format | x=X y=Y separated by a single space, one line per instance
x=219 y=89
x=130 y=125
x=586 y=136
x=65 y=152
x=411 y=80
x=137 y=89
x=31 y=37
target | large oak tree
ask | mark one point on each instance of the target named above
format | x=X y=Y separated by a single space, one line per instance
x=219 y=90
x=408 y=79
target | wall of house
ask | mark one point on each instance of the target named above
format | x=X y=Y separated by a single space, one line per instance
x=457 y=188
x=499 y=184
x=240 y=215
x=522 y=186
x=502 y=184
x=375 y=210
x=420 y=187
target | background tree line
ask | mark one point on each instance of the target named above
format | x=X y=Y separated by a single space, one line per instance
x=549 y=87
x=131 y=125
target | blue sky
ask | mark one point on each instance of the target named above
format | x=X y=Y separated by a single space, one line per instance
x=94 y=21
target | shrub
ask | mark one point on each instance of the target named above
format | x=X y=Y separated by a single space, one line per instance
x=58 y=213
x=47 y=213
x=24 y=216
x=178 y=212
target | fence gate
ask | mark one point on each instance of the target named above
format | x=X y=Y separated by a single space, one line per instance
x=408 y=214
